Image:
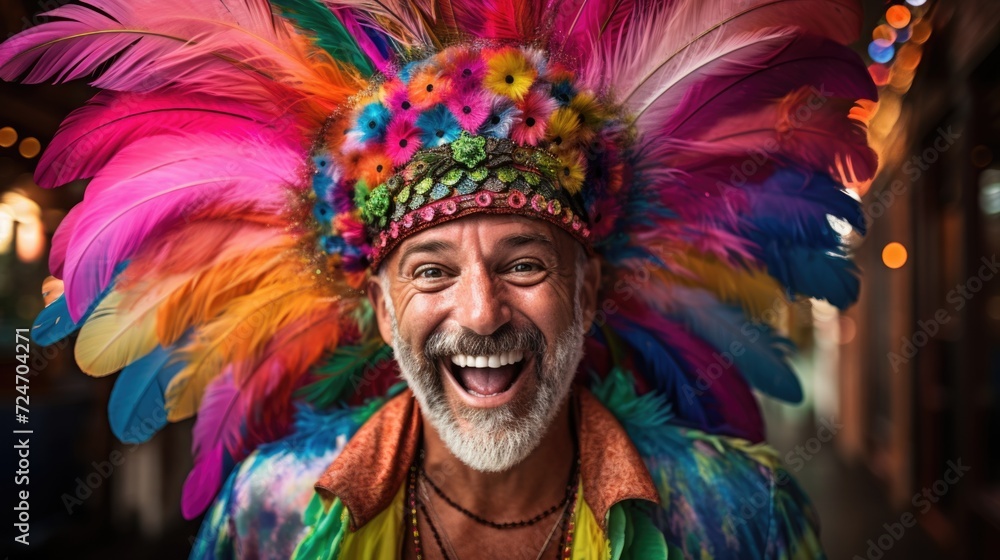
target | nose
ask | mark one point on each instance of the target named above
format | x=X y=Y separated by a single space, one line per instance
x=481 y=306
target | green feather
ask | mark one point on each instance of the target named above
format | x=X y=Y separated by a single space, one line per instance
x=344 y=372
x=314 y=19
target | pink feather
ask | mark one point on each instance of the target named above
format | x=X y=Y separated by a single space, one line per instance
x=157 y=182
x=91 y=135
x=216 y=431
x=676 y=37
x=61 y=239
x=250 y=403
x=754 y=76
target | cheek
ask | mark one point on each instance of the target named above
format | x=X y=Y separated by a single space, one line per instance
x=548 y=308
x=419 y=315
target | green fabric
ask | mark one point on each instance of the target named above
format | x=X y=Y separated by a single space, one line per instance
x=327 y=527
x=633 y=535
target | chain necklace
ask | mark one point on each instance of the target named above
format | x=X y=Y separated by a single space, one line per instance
x=564 y=552
x=508 y=524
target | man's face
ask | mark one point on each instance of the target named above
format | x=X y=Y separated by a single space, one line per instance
x=487 y=315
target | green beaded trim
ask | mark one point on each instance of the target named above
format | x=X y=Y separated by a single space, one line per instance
x=467 y=166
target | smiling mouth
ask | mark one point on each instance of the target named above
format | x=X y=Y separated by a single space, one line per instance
x=487 y=376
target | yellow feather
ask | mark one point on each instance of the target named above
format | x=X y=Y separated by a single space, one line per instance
x=203 y=296
x=240 y=334
x=123 y=327
x=752 y=289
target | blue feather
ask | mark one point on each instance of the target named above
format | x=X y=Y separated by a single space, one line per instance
x=54 y=322
x=136 y=407
x=824 y=275
x=763 y=362
x=662 y=368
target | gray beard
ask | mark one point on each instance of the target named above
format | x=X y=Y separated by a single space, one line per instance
x=497 y=439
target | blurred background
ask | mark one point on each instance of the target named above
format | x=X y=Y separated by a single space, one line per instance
x=898 y=442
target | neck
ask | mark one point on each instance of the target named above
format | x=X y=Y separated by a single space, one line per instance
x=529 y=487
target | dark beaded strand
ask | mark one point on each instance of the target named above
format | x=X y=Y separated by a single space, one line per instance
x=570 y=491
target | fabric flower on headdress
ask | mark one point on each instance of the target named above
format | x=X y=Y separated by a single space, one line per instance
x=402 y=140
x=509 y=73
x=470 y=107
x=439 y=126
x=465 y=70
x=427 y=88
x=535 y=110
x=501 y=120
x=371 y=122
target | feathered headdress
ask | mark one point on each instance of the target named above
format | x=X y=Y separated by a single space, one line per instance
x=252 y=161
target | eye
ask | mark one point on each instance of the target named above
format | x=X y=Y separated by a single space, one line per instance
x=524 y=267
x=430 y=272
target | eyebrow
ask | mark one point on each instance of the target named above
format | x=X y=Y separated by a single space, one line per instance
x=435 y=246
x=522 y=239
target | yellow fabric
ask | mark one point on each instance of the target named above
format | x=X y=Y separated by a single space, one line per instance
x=589 y=541
x=380 y=538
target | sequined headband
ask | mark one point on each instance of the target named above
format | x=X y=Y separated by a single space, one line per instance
x=499 y=130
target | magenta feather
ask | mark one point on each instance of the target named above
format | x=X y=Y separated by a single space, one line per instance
x=675 y=38
x=763 y=72
x=160 y=181
x=61 y=239
x=91 y=135
x=217 y=432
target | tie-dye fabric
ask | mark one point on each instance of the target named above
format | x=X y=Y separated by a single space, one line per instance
x=723 y=498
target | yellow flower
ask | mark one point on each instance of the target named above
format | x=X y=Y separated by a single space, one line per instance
x=592 y=114
x=572 y=171
x=509 y=73
x=564 y=129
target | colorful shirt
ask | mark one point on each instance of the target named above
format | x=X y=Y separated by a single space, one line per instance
x=649 y=489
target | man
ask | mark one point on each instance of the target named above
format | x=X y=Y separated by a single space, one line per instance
x=456 y=280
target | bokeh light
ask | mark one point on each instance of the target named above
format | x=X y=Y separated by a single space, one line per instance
x=884 y=32
x=908 y=57
x=916 y=2
x=29 y=147
x=894 y=255
x=879 y=73
x=921 y=31
x=848 y=329
x=981 y=156
x=898 y=16
x=8 y=136
x=881 y=50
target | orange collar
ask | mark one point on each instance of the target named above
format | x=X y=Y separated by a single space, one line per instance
x=373 y=465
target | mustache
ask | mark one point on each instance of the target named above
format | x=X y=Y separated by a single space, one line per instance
x=507 y=338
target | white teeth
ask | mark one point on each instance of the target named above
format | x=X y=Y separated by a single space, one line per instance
x=494 y=361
